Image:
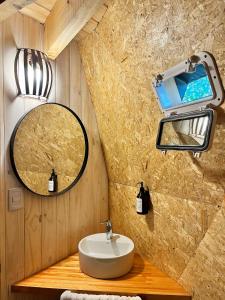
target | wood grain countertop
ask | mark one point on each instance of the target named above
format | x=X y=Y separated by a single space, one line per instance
x=144 y=279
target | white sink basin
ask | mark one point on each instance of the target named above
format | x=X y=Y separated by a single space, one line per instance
x=102 y=258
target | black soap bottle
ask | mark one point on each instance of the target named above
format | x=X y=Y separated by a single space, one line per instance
x=52 y=182
x=142 y=201
x=148 y=200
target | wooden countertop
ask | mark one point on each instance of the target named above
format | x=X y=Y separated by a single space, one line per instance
x=143 y=279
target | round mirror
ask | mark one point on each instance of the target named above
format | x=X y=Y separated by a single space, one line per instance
x=49 y=149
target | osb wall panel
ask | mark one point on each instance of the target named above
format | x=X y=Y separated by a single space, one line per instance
x=170 y=234
x=134 y=41
x=46 y=230
x=207 y=267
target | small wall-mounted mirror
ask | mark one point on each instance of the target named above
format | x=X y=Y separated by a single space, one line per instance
x=186 y=132
x=51 y=136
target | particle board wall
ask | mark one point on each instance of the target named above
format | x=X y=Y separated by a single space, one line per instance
x=46 y=229
x=184 y=233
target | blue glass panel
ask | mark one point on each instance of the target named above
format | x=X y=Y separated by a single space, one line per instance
x=198 y=89
x=163 y=97
x=185 y=88
x=194 y=86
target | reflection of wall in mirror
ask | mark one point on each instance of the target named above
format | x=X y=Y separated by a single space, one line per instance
x=185 y=132
x=192 y=131
x=49 y=137
x=169 y=135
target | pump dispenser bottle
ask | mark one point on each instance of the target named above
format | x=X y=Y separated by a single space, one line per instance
x=52 y=182
x=142 y=200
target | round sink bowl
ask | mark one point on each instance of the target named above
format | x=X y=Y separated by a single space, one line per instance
x=102 y=258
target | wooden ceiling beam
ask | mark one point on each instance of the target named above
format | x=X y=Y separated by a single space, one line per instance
x=9 y=7
x=36 y=12
x=65 y=21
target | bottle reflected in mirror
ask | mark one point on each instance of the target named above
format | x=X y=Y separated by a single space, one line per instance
x=52 y=182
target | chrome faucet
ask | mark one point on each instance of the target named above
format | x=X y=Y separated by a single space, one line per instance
x=108 y=229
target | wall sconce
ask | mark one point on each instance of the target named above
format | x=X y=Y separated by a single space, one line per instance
x=33 y=73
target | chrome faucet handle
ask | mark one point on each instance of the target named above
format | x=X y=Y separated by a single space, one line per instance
x=108 y=229
x=108 y=225
x=106 y=221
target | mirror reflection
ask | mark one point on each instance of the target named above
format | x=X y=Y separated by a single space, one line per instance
x=186 y=132
x=49 y=149
x=185 y=87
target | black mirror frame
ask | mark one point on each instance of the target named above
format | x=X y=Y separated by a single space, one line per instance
x=85 y=155
x=187 y=116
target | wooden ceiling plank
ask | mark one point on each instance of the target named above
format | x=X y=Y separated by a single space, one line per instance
x=36 y=12
x=81 y=35
x=46 y=4
x=100 y=13
x=90 y=26
x=93 y=23
x=65 y=21
x=9 y=7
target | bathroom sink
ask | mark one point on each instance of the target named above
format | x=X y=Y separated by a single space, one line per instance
x=102 y=258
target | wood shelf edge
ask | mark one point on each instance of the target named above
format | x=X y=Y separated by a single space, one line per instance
x=49 y=282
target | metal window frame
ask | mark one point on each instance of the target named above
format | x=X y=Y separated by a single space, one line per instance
x=208 y=60
x=187 y=116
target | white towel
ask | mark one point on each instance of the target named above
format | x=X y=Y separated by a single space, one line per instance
x=67 y=295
